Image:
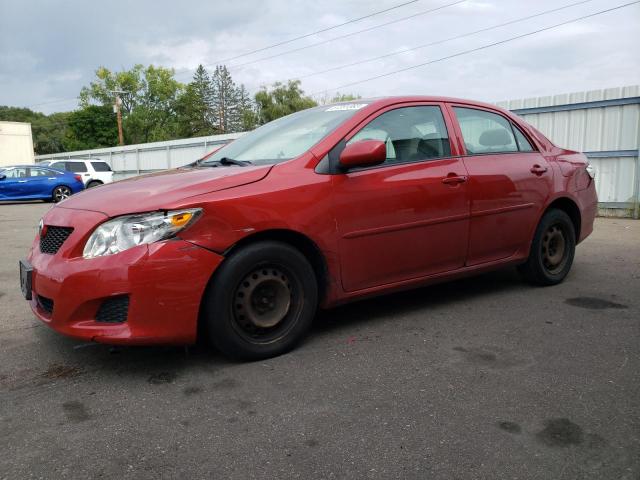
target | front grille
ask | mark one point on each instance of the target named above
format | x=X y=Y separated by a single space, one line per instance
x=45 y=304
x=54 y=238
x=113 y=310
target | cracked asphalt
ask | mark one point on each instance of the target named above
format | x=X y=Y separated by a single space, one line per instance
x=481 y=378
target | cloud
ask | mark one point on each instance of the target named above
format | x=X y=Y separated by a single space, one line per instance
x=49 y=50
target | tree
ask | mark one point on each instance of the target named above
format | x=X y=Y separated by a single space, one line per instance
x=148 y=104
x=339 y=97
x=247 y=118
x=194 y=107
x=225 y=100
x=281 y=100
x=48 y=131
x=91 y=127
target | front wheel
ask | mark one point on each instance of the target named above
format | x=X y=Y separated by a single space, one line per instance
x=552 y=250
x=261 y=301
x=60 y=193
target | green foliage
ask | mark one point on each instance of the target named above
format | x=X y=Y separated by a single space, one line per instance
x=91 y=127
x=148 y=104
x=156 y=107
x=281 y=100
x=47 y=131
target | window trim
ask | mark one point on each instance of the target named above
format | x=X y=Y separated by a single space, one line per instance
x=333 y=156
x=463 y=148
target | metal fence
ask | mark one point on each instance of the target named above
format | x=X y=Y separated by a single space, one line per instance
x=133 y=160
x=605 y=124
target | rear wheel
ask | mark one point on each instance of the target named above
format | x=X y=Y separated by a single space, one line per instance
x=261 y=301
x=93 y=183
x=60 y=193
x=552 y=250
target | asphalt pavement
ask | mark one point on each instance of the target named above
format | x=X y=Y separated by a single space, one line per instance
x=484 y=378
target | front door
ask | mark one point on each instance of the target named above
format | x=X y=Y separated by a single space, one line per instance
x=407 y=218
x=509 y=182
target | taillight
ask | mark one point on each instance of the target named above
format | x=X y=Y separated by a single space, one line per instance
x=78 y=178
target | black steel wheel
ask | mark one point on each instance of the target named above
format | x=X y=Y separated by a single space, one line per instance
x=60 y=193
x=552 y=250
x=261 y=301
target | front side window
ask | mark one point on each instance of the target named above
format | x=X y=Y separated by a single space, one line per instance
x=39 y=172
x=523 y=144
x=485 y=132
x=16 y=173
x=410 y=134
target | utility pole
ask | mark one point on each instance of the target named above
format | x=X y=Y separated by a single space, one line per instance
x=117 y=108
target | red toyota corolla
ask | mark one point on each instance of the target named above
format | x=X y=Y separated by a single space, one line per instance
x=321 y=207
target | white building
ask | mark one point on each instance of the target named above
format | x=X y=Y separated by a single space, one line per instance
x=16 y=143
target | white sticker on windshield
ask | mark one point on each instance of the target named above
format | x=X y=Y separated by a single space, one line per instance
x=346 y=106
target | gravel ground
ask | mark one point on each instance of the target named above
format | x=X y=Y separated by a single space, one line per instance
x=480 y=378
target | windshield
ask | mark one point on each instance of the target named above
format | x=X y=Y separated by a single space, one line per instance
x=286 y=137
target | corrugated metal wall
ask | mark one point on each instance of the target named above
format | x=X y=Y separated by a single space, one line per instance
x=605 y=124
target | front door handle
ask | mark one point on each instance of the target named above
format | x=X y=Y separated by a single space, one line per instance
x=22 y=181
x=538 y=170
x=453 y=179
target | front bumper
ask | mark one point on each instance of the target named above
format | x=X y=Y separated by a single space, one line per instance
x=164 y=282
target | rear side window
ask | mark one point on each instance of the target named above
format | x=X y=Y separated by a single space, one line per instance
x=76 y=167
x=485 y=132
x=101 y=166
x=410 y=134
x=40 y=172
x=59 y=165
x=523 y=143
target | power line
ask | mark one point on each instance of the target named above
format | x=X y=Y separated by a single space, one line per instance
x=368 y=29
x=388 y=74
x=439 y=42
x=306 y=35
x=284 y=42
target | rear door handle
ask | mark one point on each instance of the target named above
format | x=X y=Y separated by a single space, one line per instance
x=453 y=179
x=22 y=181
x=538 y=170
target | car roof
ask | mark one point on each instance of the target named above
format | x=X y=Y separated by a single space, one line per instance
x=32 y=165
x=391 y=100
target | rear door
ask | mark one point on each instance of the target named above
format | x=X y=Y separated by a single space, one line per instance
x=509 y=182
x=41 y=182
x=79 y=167
x=102 y=171
x=406 y=218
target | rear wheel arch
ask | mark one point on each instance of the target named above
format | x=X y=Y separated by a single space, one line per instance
x=569 y=207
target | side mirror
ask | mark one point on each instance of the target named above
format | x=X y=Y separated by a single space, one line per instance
x=364 y=153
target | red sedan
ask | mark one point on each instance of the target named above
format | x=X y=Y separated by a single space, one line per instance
x=321 y=207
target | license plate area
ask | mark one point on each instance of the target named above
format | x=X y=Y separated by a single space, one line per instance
x=26 y=279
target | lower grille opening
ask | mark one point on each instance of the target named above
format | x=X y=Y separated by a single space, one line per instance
x=113 y=310
x=45 y=304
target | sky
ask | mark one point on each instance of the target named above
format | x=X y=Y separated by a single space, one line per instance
x=50 y=49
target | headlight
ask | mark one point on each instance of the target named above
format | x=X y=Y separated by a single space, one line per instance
x=122 y=233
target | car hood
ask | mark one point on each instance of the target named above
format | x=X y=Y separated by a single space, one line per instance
x=162 y=190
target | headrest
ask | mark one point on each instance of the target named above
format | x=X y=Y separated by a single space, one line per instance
x=495 y=138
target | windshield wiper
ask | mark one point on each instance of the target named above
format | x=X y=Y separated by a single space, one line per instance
x=225 y=161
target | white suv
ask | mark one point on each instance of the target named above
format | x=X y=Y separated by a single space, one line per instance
x=94 y=172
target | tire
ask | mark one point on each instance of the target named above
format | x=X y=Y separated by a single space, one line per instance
x=260 y=302
x=60 y=193
x=93 y=183
x=552 y=250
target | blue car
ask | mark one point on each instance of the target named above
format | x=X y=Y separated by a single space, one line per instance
x=32 y=182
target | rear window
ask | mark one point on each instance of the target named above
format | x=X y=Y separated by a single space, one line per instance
x=101 y=166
